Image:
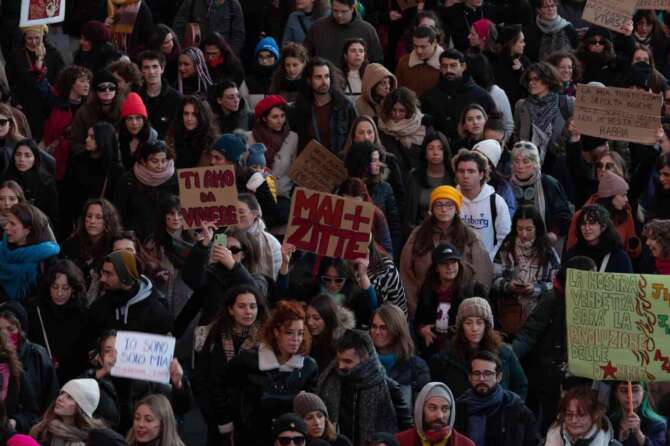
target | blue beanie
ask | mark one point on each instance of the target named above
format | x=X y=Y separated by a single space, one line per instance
x=256 y=156
x=231 y=146
x=268 y=44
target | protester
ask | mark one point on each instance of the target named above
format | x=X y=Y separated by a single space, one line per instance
x=161 y=100
x=420 y=69
x=287 y=79
x=231 y=109
x=315 y=415
x=326 y=322
x=192 y=134
x=154 y=423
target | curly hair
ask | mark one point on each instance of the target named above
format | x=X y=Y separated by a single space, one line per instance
x=546 y=73
x=555 y=59
x=587 y=400
x=403 y=95
x=482 y=162
x=68 y=76
x=97 y=250
x=659 y=230
x=199 y=139
x=284 y=314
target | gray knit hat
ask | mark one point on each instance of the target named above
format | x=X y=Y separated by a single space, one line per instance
x=474 y=307
x=306 y=402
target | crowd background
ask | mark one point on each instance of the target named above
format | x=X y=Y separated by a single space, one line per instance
x=454 y=118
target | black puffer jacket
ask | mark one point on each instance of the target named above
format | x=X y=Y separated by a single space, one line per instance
x=39 y=373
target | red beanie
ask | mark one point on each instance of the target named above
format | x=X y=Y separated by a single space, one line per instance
x=482 y=28
x=267 y=103
x=133 y=105
x=96 y=31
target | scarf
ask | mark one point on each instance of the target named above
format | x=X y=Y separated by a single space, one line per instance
x=543 y=110
x=248 y=335
x=663 y=266
x=215 y=63
x=436 y=437
x=273 y=140
x=408 y=131
x=558 y=436
x=125 y=14
x=551 y=26
x=479 y=407
x=65 y=435
x=529 y=190
x=19 y=266
x=151 y=178
x=368 y=381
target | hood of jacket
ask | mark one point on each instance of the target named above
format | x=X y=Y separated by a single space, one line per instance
x=434 y=60
x=421 y=401
x=484 y=194
x=143 y=293
x=374 y=73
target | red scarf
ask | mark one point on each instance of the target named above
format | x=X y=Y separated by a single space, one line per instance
x=272 y=140
x=663 y=266
x=214 y=63
x=435 y=436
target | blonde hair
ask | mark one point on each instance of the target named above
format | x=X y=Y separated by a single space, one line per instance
x=161 y=408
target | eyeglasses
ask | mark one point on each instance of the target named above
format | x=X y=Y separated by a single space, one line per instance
x=105 y=87
x=337 y=280
x=285 y=441
x=607 y=166
x=444 y=204
x=4 y=121
x=236 y=249
x=486 y=374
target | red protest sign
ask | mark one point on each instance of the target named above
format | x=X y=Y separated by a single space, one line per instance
x=329 y=225
x=208 y=194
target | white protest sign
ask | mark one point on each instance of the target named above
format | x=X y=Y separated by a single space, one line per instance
x=143 y=356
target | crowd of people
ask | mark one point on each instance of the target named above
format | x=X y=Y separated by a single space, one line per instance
x=454 y=118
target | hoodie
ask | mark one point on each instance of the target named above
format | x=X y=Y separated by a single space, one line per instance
x=478 y=214
x=374 y=73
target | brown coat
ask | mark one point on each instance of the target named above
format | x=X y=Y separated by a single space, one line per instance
x=417 y=75
x=413 y=269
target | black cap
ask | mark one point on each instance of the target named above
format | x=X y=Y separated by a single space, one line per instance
x=289 y=422
x=598 y=31
x=444 y=252
x=104 y=76
x=589 y=143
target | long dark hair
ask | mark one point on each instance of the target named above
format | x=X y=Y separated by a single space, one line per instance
x=250 y=246
x=199 y=139
x=343 y=64
x=609 y=238
x=224 y=323
x=423 y=164
x=158 y=37
x=327 y=310
x=491 y=341
x=112 y=228
x=74 y=276
x=542 y=245
x=107 y=143
x=231 y=63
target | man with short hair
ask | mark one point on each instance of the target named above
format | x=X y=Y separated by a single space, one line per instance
x=420 y=70
x=327 y=36
x=162 y=101
x=434 y=415
x=129 y=300
x=321 y=111
x=490 y=415
x=482 y=208
x=454 y=91
x=360 y=398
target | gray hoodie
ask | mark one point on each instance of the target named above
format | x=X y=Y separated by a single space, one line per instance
x=430 y=390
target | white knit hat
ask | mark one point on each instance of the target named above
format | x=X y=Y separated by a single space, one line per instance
x=491 y=149
x=85 y=392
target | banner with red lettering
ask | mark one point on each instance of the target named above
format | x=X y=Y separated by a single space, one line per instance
x=208 y=194
x=329 y=225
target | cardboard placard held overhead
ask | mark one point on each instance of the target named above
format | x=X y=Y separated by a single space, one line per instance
x=329 y=225
x=406 y=4
x=318 y=168
x=208 y=194
x=610 y=14
x=143 y=356
x=41 y=12
x=618 y=326
x=619 y=114
x=654 y=4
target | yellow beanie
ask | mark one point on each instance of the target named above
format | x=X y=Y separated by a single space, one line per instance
x=446 y=193
x=39 y=29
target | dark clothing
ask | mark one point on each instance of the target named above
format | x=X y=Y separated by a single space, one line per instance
x=61 y=330
x=39 y=188
x=113 y=310
x=510 y=423
x=458 y=20
x=411 y=376
x=446 y=101
x=618 y=261
x=22 y=403
x=226 y=19
x=162 y=109
x=98 y=58
x=383 y=197
x=260 y=396
x=242 y=119
x=39 y=373
x=303 y=117
x=534 y=37
x=508 y=78
x=138 y=203
x=654 y=430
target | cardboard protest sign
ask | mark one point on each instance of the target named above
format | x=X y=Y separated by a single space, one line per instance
x=618 y=326
x=41 y=12
x=318 y=168
x=619 y=114
x=208 y=194
x=654 y=4
x=329 y=225
x=143 y=356
x=610 y=14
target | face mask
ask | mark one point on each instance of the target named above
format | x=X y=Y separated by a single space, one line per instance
x=13 y=339
x=214 y=63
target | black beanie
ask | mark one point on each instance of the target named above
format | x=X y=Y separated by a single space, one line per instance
x=640 y=75
x=104 y=76
x=589 y=143
x=598 y=31
x=358 y=159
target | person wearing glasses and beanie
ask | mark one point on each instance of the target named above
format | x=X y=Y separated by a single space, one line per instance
x=489 y=414
x=443 y=224
x=103 y=104
x=289 y=429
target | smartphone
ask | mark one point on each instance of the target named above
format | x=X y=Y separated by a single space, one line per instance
x=221 y=239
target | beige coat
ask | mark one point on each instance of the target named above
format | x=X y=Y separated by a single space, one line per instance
x=374 y=73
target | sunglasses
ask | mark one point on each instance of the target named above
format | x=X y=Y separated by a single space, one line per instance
x=597 y=42
x=4 y=121
x=103 y=87
x=337 y=280
x=285 y=441
x=606 y=166
x=236 y=249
